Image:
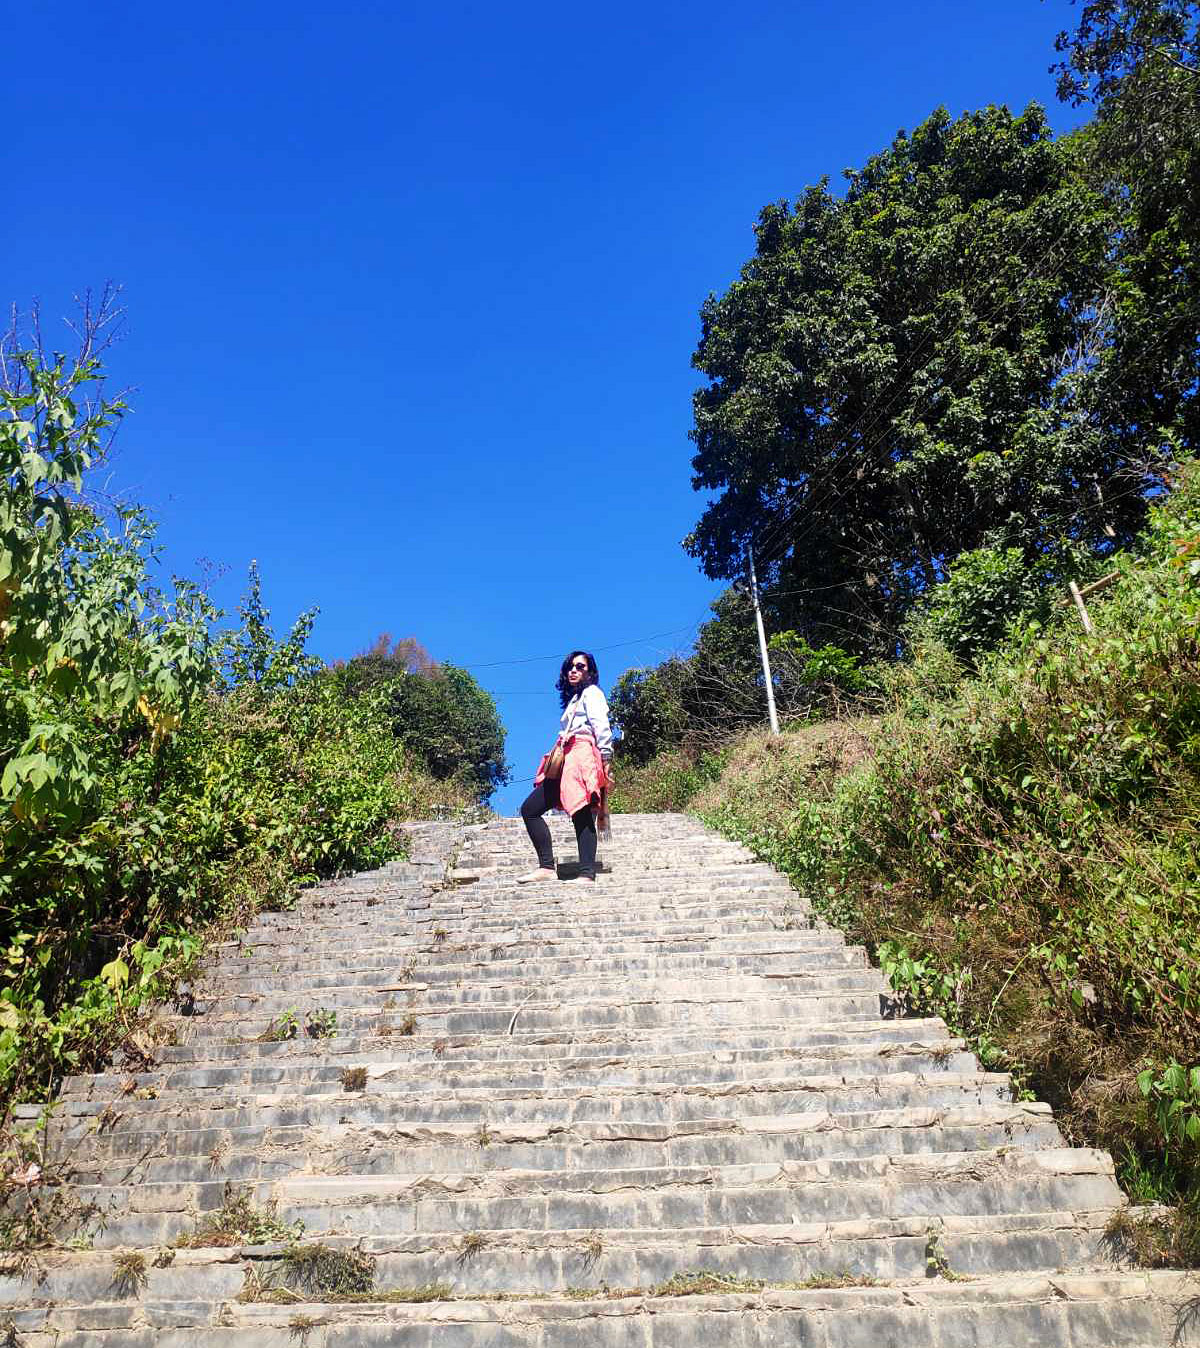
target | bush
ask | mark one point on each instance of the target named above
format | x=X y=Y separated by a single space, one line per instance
x=437 y=711
x=647 y=708
x=987 y=591
x=666 y=783
x=1020 y=847
x=156 y=779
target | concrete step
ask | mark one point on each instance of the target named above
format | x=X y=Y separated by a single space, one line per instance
x=383 y=1070
x=247 y=975
x=1060 y=1310
x=483 y=994
x=562 y=1044
x=694 y=1009
x=258 y=1151
x=531 y=945
x=516 y=1261
x=927 y=1186
x=670 y=1101
x=558 y=929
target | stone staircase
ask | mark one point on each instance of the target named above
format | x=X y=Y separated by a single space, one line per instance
x=666 y=1110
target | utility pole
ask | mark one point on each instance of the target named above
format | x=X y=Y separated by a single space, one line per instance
x=762 y=644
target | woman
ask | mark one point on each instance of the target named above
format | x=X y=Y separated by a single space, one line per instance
x=586 y=742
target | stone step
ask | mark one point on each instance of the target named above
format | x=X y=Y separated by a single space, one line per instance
x=383 y=1069
x=1083 y=1310
x=603 y=989
x=259 y=1151
x=524 y=1261
x=789 y=1094
x=247 y=975
x=695 y=1010
x=636 y=919
x=481 y=894
x=483 y=936
x=927 y=1186
x=522 y=945
x=784 y=935
x=477 y=885
x=575 y=1043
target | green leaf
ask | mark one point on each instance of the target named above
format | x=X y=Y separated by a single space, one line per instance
x=115 y=973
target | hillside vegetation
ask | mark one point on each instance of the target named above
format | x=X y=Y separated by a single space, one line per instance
x=1019 y=846
x=166 y=773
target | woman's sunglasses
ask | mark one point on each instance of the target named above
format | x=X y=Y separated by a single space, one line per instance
x=582 y=668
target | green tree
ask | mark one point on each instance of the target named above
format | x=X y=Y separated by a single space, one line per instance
x=895 y=375
x=972 y=609
x=1137 y=62
x=437 y=711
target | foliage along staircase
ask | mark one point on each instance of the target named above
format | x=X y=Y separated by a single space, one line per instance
x=669 y=1110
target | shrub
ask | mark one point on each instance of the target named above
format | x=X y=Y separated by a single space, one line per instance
x=666 y=782
x=159 y=774
x=437 y=712
x=1019 y=847
x=986 y=592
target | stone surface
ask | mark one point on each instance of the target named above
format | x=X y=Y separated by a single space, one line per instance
x=555 y=1102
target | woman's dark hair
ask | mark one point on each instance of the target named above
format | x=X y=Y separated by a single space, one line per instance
x=565 y=691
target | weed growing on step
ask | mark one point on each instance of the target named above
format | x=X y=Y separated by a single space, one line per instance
x=937 y=1265
x=439 y=1046
x=239 y=1222
x=471 y=1244
x=823 y=1282
x=593 y=1247
x=1167 y=1238
x=484 y=1137
x=439 y=935
x=321 y=1023
x=705 y=1282
x=36 y=1205
x=408 y=1026
x=9 y=1338
x=287 y=1026
x=129 y=1273
x=164 y=1258
x=405 y=1296
x=301 y=1326
x=320 y=1271
x=262 y=1285
x=354 y=1078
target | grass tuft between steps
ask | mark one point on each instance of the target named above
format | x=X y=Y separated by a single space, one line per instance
x=238 y=1222
x=1163 y=1237
x=277 y=1285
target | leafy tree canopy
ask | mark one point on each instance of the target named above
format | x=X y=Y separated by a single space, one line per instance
x=1138 y=63
x=901 y=374
x=437 y=711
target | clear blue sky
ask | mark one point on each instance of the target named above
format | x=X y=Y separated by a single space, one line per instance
x=413 y=289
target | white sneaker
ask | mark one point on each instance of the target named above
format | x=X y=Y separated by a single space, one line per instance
x=534 y=877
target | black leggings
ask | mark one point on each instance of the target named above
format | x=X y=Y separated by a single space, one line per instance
x=544 y=797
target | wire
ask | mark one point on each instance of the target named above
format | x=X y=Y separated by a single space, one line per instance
x=533 y=659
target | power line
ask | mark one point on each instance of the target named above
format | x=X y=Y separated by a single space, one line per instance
x=533 y=659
